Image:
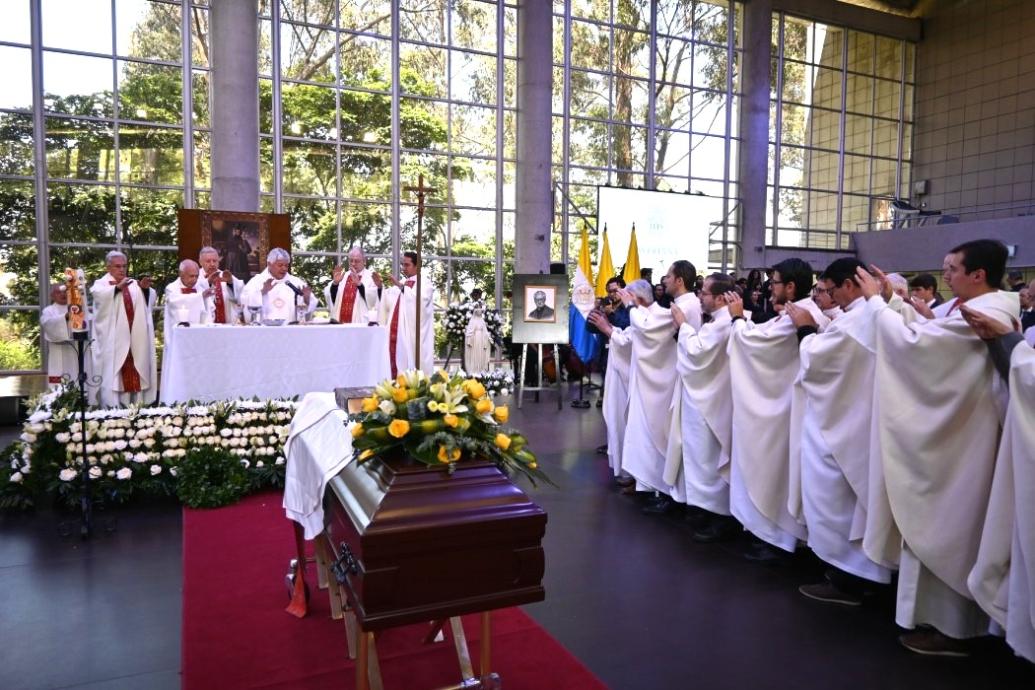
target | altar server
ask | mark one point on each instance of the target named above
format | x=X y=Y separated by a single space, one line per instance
x=701 y=435
x=398 y=311
x=834 y=411
x=227 y=289
x=62 y=358
x=763 y=366
x=353 y=294
x=124 y=346
x=616 y=392
x=938 y=473
x=185 y=301
x=653 y=381
x=277 y=291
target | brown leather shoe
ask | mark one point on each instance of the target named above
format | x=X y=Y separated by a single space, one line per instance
x=932 y=643
x=625 y=481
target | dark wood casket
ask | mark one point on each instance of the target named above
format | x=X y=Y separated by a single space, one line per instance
x=413 y=543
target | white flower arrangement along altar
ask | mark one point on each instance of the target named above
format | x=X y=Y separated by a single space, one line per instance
x=138 y=449
x=458 y=315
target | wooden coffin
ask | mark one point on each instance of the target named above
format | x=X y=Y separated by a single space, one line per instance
x=413 y=543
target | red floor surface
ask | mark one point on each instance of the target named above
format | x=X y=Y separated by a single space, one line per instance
x=237 y=635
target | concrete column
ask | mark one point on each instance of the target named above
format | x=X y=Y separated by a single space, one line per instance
x=534 y=128
x=754 y=131
x=234 y=41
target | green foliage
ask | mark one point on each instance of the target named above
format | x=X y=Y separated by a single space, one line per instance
x=211 y=478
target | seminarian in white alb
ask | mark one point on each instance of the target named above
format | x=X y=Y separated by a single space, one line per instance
x=517 y=344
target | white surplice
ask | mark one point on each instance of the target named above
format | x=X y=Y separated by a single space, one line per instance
x=652 y=386
x=62 y=359
x=1003 y=579
x=364 y=308
x=700 y=437
x=232 y=294
x=115 y=338
x=616 y=395
x=477 y=344
x=764 y=363
x=279 y=302
x=405 y=338
x=938 y=473
x=836 y=382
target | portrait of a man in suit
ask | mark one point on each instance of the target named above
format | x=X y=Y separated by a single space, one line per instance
x=544 y=298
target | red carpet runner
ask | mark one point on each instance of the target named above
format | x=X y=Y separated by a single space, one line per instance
x=237 y=635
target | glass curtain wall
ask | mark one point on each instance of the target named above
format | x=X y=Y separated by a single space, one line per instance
x=95 y=150
x=331 y=100
x=646 y=94
x=840 y=125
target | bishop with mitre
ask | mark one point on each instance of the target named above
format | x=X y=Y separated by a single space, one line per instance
x=398 y=311
x=226 y=288
x=124 y=347
x=277 y=291
x=354 y=295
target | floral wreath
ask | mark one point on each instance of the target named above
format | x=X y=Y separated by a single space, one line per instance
x=459 y=314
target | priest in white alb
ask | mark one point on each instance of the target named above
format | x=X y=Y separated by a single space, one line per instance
x=62 y=358
x=226 y=288
x=702 y=422
x=939 y=405
x=763 y=366
x=353 y=295
x=653 y=382
x=124 y=347
x=834 y=413
x=280 y=294
x=619 y=362
x=398 y=311
x=185 y=301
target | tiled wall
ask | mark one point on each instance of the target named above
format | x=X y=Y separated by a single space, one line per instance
x=975 y=106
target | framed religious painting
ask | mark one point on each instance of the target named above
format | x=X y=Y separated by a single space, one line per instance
x=540 y=308
x=242 y=239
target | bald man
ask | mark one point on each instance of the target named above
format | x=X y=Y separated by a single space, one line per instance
x=186 y=302
x=354 y=294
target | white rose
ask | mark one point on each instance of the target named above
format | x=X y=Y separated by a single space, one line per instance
x=259 y=463
x=17 y=477
x=124 y=473
x=172 y=471
x=90 y=448
x=237 y=432
x=95 y=473
x=177 y=421
x=167 y=454
x=149 y=443
x=280 y=461
x=225 y=433
x=67 y=475
x=120 y=445
x=245 y=463
x=28 y=437
x=156 y=470
x=140 y=458
x=388 y=407
x=62 y=437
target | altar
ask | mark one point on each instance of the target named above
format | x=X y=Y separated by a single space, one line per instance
x=217 y=362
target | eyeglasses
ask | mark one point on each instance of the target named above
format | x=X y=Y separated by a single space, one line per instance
x=819 y=291
x=776 y=282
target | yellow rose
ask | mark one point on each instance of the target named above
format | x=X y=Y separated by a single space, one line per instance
x=502 y=414
x=483 y=406
x=399 y=428
x=474 y=388
x=369 y=404
x=401 y=380
x=442 y=456
x=532 y=465
x=445 y=455
x=365 y=454
x=451 y=420
x=503 y=441
x=357 y=431
x=399 y=395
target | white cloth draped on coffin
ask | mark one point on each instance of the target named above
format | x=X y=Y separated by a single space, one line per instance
x=319 y=445
x=939 y=417
x=700 y=437
x=1003 y=580
x=764 y=364
x=652 y=386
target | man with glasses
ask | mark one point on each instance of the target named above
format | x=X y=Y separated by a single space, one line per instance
x=823 y=296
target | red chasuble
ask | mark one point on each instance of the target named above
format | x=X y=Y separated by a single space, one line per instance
x=130 y=377
x=348 y=300
x=393 y=336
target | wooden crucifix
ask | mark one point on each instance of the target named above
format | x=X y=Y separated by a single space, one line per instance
x=422 y=192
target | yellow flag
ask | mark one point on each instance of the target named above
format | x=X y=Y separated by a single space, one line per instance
x=632 y=260
x=584 y=261
x=605 y=269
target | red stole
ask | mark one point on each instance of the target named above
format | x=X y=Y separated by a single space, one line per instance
x=393 y=332
x=348 y=301
x=217 y=286
x=130 y=377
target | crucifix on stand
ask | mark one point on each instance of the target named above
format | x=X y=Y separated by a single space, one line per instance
x=422 y=192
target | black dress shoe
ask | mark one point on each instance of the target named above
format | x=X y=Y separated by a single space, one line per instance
x=766 y=554
x=718 y=528
x=662 y=506
x=602 y=450
x=625 y=481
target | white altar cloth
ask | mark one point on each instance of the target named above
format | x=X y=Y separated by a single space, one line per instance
x=209 y=363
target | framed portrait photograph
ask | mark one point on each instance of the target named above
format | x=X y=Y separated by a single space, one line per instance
x=242 y=240
x=540 y=308
x=541 y=303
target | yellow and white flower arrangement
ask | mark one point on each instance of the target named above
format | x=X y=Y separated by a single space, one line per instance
x=440 y=420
